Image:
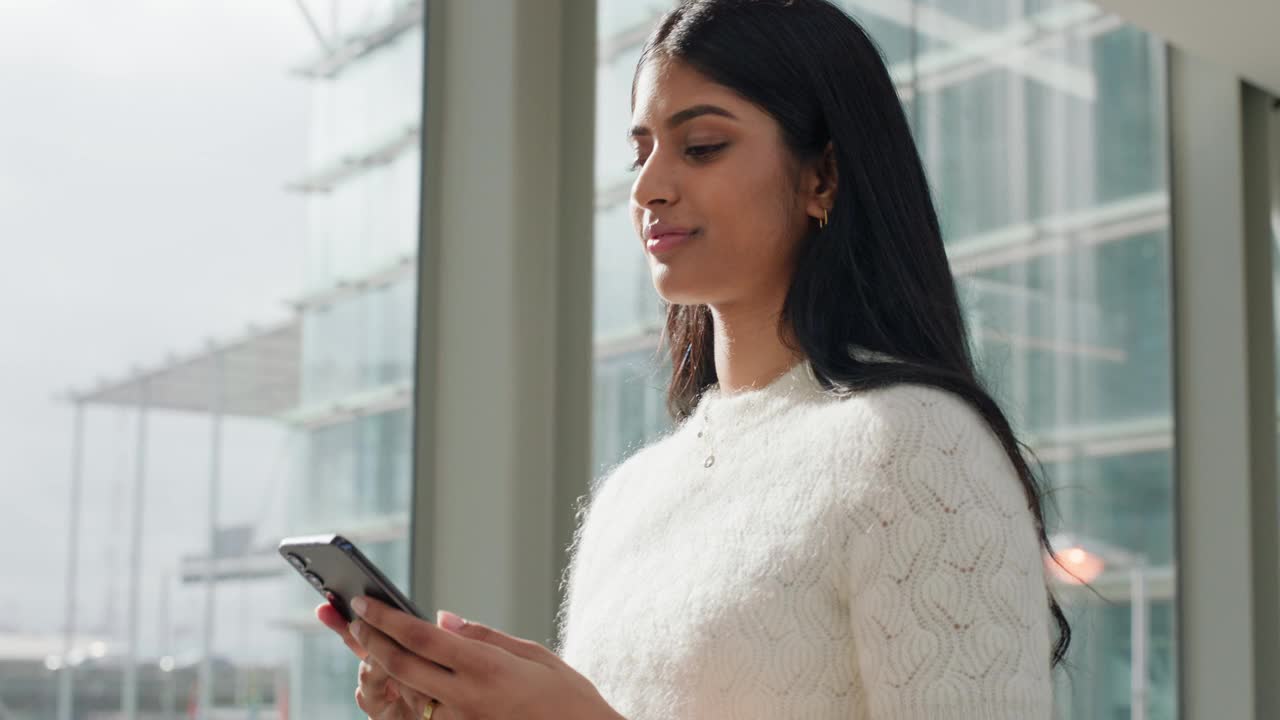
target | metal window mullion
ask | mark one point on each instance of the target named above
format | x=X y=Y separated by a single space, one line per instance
x=504 y=357
x=1224 y=363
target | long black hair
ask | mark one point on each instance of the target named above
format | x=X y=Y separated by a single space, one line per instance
x=876 y=277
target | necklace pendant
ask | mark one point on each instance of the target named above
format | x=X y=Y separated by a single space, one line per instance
x=711 y=460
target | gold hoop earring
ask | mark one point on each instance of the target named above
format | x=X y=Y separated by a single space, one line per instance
x=823 y=222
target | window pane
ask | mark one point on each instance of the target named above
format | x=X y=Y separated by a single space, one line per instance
x=1042 y=128
x=211 y=212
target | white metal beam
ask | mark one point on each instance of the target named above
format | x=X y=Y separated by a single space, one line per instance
x=337 y=57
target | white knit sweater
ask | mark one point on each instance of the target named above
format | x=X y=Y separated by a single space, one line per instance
x=870 y=557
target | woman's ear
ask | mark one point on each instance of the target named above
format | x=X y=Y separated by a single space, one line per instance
x=821 y=184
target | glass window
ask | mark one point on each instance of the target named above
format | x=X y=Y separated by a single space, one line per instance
x=617 y=18
x=626 y=304
x=630 y=401
x=1042 y=128
x=613 y=118
x=212 y=217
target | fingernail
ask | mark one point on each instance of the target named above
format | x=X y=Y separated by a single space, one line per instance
x=356 y=628
x=449 y=621
x=359 y=605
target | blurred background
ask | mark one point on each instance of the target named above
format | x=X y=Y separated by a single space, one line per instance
x=215 y=230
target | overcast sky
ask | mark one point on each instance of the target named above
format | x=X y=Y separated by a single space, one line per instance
x=144 y=145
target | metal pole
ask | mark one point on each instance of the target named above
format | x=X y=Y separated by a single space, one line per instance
x=66 y=678
x=205 y=699
x=130 y=700
x=313 y=26
x=1138 y=639
x=167 y=699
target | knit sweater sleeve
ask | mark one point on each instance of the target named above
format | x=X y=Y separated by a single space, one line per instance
x=947 y=599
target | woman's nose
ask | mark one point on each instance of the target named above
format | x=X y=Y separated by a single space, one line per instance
x=655 y=184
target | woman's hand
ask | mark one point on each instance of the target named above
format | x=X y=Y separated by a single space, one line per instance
x=377 y=693
x=382 y=698
x=476 y=673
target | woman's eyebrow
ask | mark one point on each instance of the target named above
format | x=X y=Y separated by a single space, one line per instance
x=684 y=116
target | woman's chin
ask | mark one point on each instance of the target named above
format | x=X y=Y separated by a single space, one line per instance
x=677 y=291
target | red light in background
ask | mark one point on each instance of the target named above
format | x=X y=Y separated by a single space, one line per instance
x=1075 y=565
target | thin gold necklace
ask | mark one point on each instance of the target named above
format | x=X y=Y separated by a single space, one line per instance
x=706 y=430
x=710 y=398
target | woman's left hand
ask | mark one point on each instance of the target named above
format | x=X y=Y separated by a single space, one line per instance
x=485 y=674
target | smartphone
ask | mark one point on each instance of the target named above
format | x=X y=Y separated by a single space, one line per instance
x=337 y=569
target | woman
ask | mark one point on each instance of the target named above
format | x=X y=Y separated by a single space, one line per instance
x=841 y=523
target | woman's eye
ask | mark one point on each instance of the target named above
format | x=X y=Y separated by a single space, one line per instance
x=696 y=152
x=699 y=152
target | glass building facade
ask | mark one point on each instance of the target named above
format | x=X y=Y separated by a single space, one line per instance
x=301 y=151
x=1042 y=129
x=357 y=317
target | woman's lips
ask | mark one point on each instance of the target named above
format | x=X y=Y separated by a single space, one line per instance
x=666 y=242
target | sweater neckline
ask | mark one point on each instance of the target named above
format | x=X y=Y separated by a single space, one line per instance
x=797 y=384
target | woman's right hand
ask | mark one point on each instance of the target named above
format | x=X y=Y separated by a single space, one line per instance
x=377 y=693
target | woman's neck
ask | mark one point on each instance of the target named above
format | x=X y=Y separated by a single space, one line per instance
x=749 y=349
